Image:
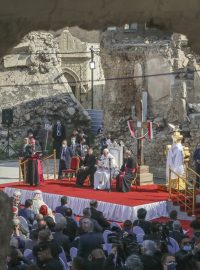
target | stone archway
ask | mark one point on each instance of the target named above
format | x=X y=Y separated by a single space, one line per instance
x=74 y=82
x=74 y=85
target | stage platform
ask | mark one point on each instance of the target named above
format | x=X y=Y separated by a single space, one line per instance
x=116 y=206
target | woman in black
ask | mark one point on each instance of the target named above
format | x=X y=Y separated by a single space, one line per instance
x=127 y=173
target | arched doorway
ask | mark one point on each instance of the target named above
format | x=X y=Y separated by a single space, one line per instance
x=74 y=82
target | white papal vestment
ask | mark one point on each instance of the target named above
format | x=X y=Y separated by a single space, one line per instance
x=102 y=175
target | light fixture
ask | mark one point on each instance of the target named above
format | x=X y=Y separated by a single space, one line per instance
x=92 y=65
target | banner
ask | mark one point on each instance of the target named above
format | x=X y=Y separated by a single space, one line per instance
x=131 y=127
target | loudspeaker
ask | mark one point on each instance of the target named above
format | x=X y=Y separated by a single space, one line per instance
x=7 y=116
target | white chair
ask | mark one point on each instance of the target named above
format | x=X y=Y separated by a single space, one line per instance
x=27 y=252
x=173 y=246
x=59 y=218
x=63 y=257
x=140 y=238
x=73 y=252
x=65 y=267
x=139 y=232
x=107 y=247
x=105 y=235
x=23 y=223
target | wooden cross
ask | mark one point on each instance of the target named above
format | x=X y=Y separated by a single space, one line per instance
x=141 y=123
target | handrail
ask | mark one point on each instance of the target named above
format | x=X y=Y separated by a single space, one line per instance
x=48 y=157
x=23 y=167
x=184 y=189
x=190 y=169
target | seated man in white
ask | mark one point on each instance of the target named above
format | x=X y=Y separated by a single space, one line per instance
x=106 y=166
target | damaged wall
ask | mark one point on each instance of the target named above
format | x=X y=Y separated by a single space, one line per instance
x=33 y=84
x=170 y=96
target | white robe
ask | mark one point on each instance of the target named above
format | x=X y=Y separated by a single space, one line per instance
x=102 y=175
x=175 y=161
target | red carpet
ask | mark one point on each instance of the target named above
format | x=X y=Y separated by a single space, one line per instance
x=141 y=195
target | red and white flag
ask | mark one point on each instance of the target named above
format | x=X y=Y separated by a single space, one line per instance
x=150 y=130
x=131 y=127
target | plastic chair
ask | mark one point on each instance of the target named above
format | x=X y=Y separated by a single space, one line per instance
x=63 y=257
x=28 y=254
x=73 y=252
x=107 y=247
x=105 y=235
x=23 y=223
x=139 y=232
x=74 y=166
x=140 y=238
x=65 y=267
x=173 y=246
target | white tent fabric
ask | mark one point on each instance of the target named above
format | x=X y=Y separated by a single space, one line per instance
x=111 y=211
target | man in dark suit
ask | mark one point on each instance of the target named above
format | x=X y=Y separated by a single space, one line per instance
x=88 y=168
x=72 y=226
x=89 y=240
x=27 y=211
x=58 y=136
x=141 y=222
x=87 y=214
x=60 y=209
x=98 y=215
x=62 y=239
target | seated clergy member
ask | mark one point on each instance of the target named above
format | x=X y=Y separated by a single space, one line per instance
x=127 y=174
x=81 y=150
x=88 y=168
x=65 y=158
x=105 y=171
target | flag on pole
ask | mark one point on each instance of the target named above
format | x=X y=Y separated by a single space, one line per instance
x=131 y=127
x=150 y=130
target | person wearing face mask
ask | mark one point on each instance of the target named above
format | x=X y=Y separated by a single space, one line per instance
x=168 y=262
x=185 y=256
x=58 y=135
x=65 y=158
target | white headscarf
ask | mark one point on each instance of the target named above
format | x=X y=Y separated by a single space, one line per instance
x=37 y=201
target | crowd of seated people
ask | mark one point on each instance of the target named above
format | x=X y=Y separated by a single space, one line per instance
x=46 y=239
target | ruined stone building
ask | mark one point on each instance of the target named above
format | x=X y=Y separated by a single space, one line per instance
x=52 y=78
x=133 y=53
x=46 y=77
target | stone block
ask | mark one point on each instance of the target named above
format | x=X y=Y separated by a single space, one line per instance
x=145 y=179
x=143 y=169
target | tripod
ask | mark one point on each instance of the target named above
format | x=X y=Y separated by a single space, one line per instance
x=8 y=147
